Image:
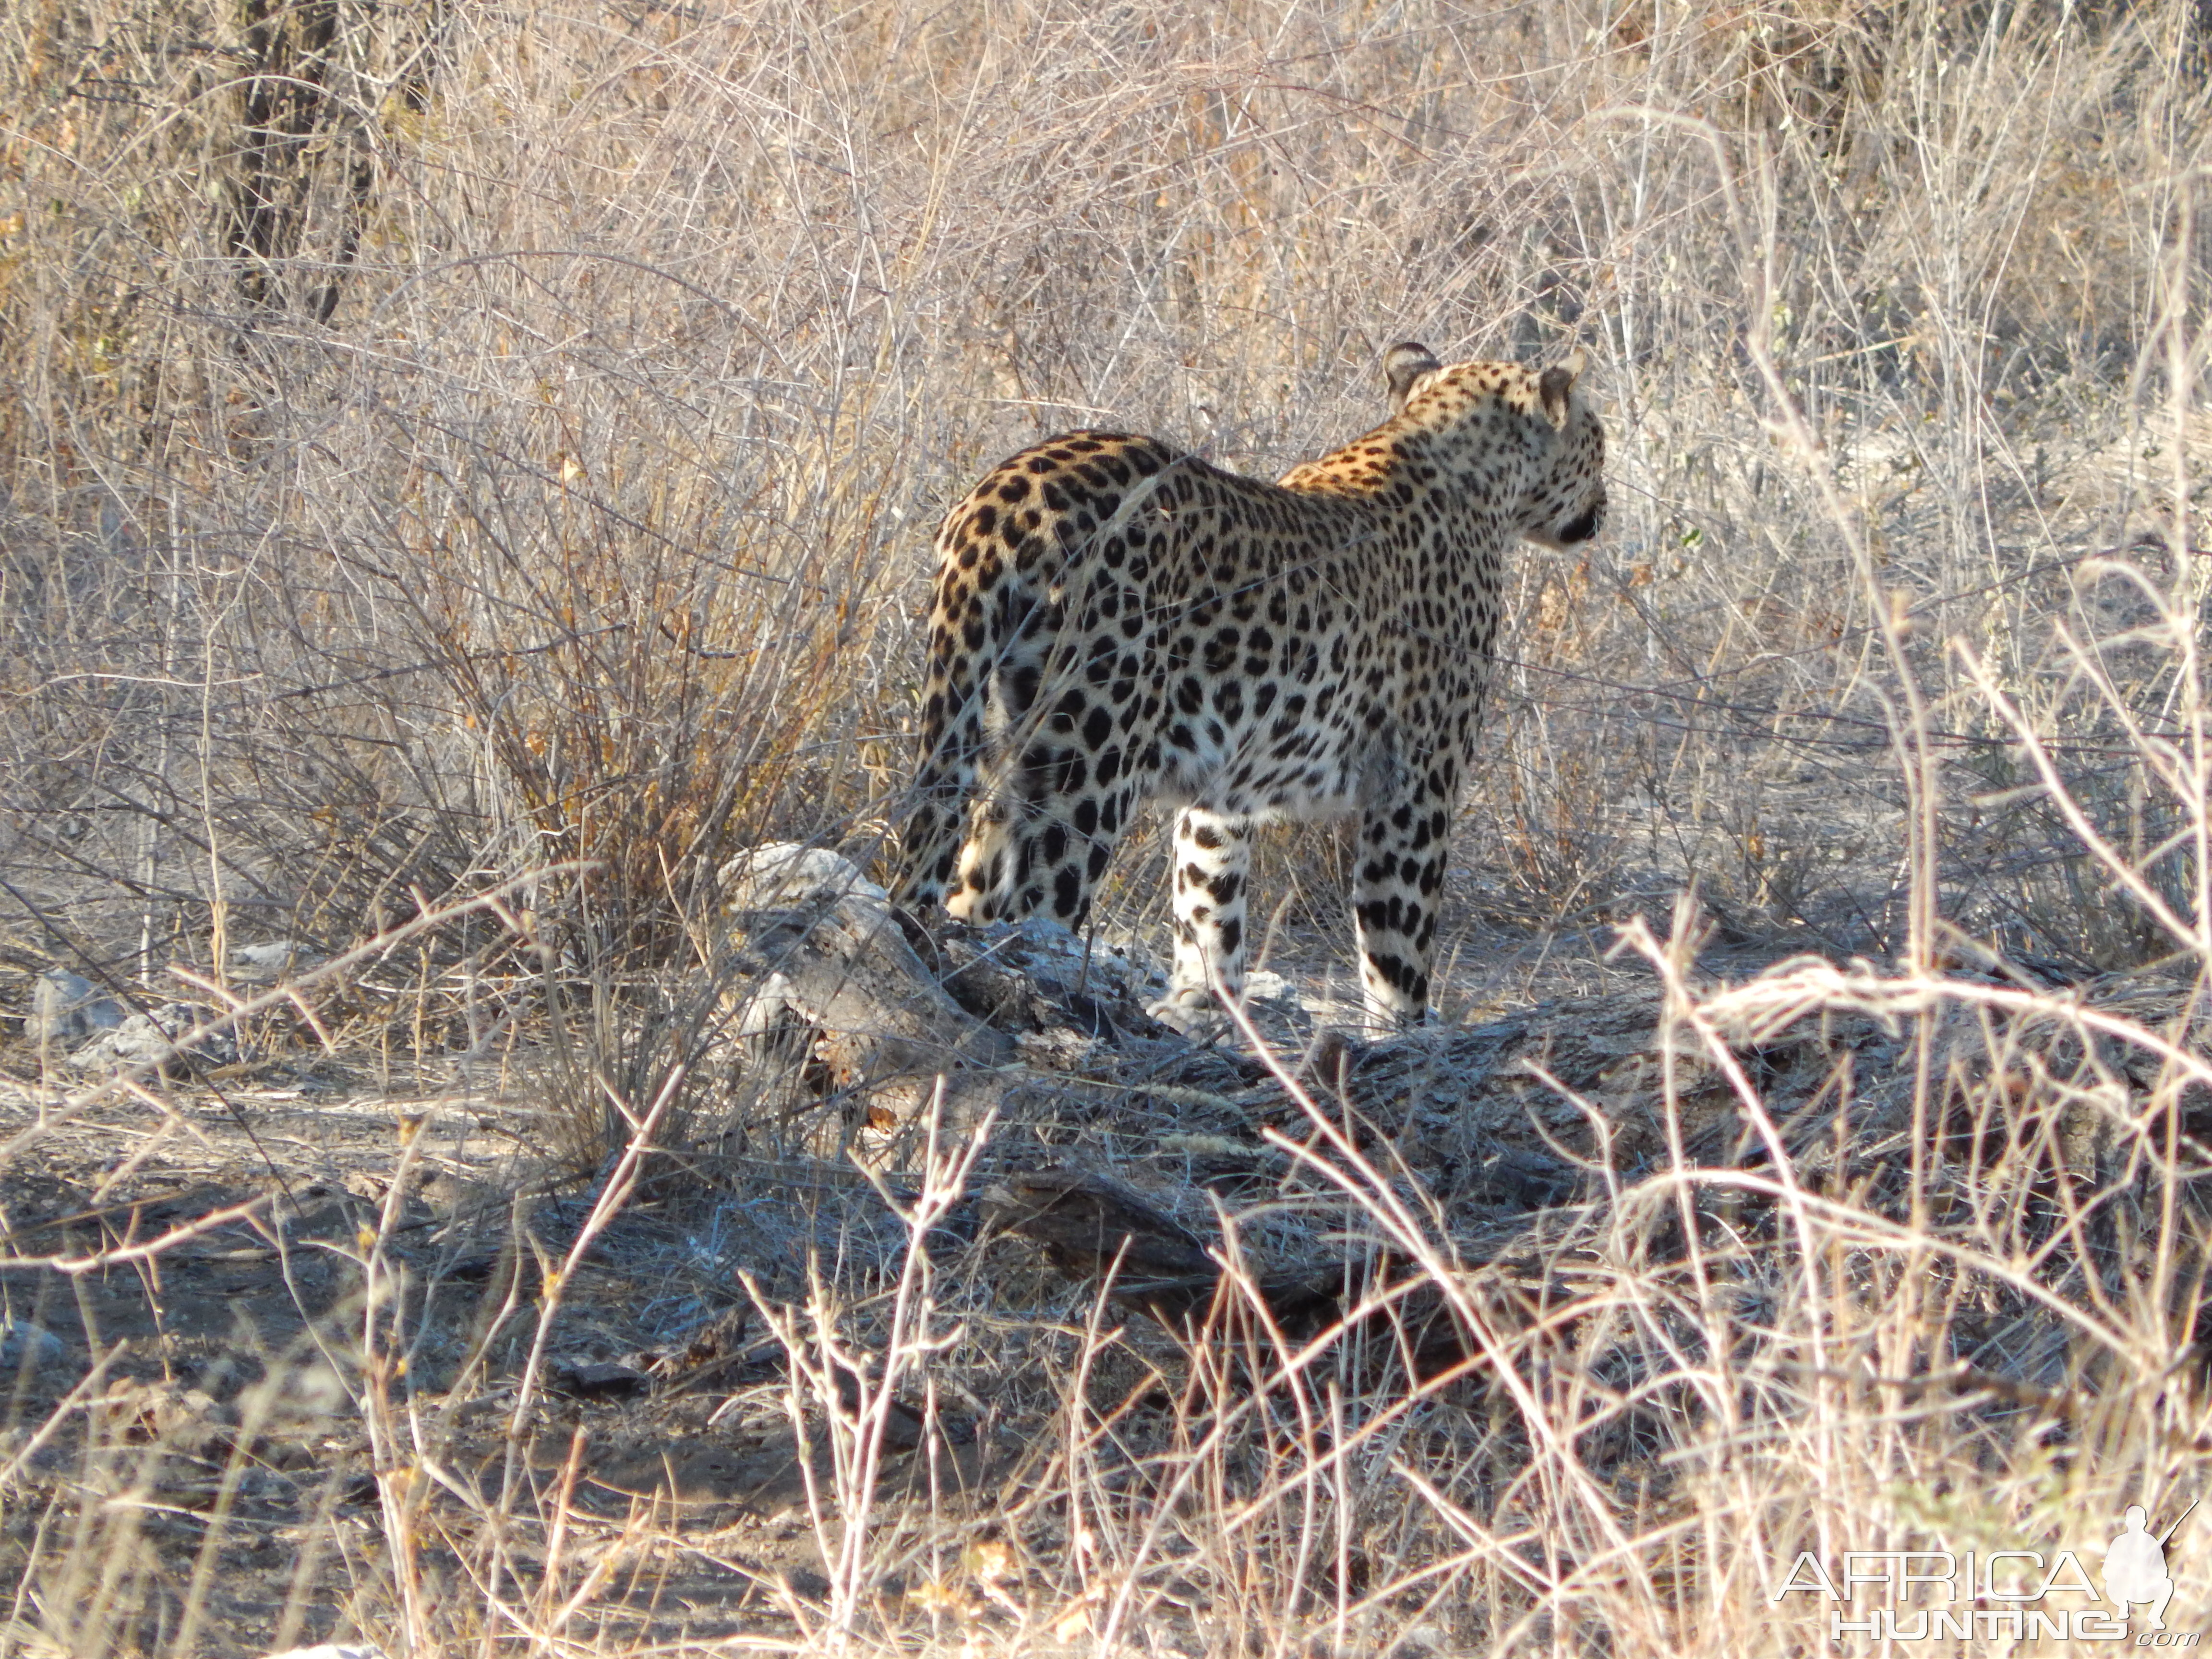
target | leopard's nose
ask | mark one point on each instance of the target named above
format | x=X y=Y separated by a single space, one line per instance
x=1583 y=527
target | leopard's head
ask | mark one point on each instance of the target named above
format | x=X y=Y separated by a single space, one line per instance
x=1491 y=411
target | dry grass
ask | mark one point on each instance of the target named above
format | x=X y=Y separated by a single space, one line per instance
x=452 y=451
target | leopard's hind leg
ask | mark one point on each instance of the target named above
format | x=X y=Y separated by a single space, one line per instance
x=1058 y=790
x=1398 y=889
x=987 y=871
x=1021 y=793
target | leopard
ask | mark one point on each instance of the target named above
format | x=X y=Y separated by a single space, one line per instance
x=1117 y=620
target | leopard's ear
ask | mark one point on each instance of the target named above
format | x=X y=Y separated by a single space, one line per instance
x=1557 y=381
x=1405 y=364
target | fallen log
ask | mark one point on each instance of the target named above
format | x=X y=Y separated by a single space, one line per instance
x=821 y=948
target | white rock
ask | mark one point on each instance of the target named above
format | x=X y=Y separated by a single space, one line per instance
x=1051 y=953
x=22 y=1342
x=65 y=1007
x=150 y=1039
x=264 y=965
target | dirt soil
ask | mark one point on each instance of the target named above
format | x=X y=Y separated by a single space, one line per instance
x=201 y=1407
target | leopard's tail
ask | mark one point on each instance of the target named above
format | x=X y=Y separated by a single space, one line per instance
x=952 y=750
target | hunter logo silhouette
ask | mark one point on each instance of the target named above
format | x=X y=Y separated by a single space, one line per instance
x=2134 y=1566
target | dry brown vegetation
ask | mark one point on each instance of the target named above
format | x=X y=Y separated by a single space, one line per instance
x=466 y=473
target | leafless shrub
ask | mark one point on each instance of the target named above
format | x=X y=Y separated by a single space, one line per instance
x=453 y=451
